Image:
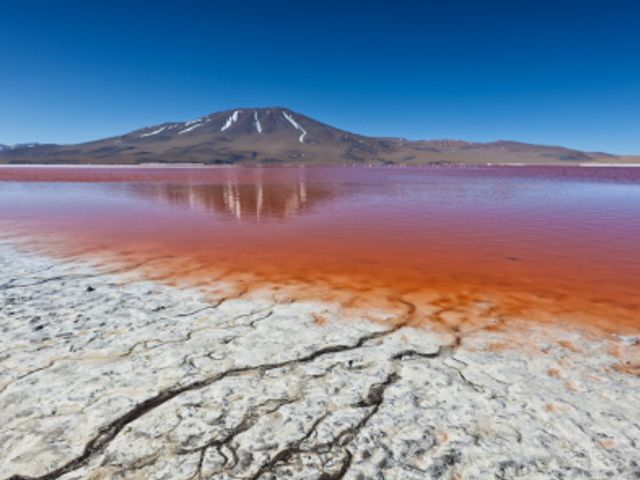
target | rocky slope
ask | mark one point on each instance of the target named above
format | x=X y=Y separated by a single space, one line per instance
x=279 y=135
x=105 y=375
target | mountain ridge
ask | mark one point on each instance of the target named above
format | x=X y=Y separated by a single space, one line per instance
x=278 y=135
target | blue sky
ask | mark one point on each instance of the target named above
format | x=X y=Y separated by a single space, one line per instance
x=563 y=72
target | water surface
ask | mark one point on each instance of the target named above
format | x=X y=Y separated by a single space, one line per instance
x=562 y=239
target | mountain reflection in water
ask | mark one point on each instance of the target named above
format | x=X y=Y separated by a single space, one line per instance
x=250 y=202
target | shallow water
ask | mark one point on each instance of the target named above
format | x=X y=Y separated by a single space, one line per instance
x=560 y=239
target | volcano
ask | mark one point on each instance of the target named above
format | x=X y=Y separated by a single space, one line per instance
x=281 y=136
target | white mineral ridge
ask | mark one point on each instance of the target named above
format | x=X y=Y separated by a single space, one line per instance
x=103 y=375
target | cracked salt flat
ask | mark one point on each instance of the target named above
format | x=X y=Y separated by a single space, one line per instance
x=105 y=375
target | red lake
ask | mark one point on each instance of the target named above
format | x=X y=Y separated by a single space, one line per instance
x=548 y=243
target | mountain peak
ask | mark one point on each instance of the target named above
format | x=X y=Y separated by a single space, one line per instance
x=233 y=122
x=271 y=135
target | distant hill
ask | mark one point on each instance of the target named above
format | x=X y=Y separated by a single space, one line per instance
x=281 y=136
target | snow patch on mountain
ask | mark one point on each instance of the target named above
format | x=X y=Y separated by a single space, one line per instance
x=188 y=129
x=256 y=122
x=155 y=132
x=17 y=146
x=233 y=118
x=295 y=125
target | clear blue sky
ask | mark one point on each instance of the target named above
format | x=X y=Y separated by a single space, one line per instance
x=561 y=72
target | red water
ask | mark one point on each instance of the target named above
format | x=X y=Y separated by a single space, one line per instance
x=543 y=242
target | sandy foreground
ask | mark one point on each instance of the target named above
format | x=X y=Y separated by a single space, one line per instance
x=108 y=375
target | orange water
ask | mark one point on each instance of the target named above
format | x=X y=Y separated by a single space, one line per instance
x=548 y=243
